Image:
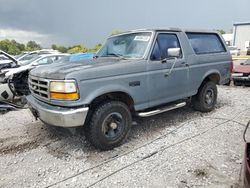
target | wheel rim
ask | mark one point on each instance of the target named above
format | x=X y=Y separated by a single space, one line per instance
x=209 y=97
x=113 y=125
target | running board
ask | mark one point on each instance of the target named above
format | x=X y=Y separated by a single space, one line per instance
x=161 y=110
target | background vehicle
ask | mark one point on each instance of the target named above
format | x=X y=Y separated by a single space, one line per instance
x=234 y=50
x=144 y=72
x=248 y=51
x=14 y=81
x=77 y=57
x=81 y=56
x=26 y=56
x=241 y=73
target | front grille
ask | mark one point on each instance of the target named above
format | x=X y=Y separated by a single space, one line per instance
x=39 y=87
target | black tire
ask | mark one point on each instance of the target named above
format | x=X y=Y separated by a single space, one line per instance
x=109 y=125
x=237 y=83
x=228 y=83
x=206 y=97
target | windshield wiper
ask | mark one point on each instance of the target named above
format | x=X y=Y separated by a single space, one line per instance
x=116 y=55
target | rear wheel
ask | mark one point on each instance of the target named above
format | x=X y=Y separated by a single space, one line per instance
x=109 y=125
x=206 y=97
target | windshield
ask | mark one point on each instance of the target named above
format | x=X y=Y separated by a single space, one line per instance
x=29 y=61
x=20 y=55
x=28 y=57
x=131 y=45
x=63 y=59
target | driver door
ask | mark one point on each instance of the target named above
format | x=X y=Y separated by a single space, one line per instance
x=168 y=77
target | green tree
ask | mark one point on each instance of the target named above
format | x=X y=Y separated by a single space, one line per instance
x=11 y=47
x=116 y=32
x=21 y=47
x=98 y=47
x=77 y=49
x=62 y=49
x=54 y=47
x=32 y=45
x=221 y=31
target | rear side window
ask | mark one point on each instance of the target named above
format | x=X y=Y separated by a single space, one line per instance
x=205 y=43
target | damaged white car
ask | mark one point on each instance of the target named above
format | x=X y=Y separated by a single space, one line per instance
x=14 y=81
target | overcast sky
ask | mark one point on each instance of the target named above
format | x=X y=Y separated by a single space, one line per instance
x=69 y=22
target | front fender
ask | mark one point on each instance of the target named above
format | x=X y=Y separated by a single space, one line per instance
x=104 y=90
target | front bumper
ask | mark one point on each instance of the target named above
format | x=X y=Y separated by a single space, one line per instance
x=237 y=78
x=245 y=78
x=57 y=116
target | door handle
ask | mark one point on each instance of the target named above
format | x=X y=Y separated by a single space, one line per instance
x=184 y=63
x=166 y=74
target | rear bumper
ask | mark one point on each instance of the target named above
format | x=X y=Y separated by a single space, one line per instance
x=57 y=116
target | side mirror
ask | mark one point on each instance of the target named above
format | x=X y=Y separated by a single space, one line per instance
x=174 y=52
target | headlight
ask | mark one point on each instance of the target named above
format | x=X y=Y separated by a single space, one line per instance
x=63 y=90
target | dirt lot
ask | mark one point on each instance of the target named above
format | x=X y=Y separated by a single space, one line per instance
x=181 y=148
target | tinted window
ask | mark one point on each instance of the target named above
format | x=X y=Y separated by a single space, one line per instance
x=204 y=43
x=163 y=43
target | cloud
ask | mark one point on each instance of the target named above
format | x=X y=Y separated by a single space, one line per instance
x=23 y=36
x=90 y=21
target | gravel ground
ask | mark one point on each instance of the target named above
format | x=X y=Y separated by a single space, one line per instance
x=181 y=148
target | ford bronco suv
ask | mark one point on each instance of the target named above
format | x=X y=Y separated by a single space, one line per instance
x=142 y=72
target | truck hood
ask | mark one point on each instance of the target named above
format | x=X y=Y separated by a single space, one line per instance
x=242 y=69
x=81 y=68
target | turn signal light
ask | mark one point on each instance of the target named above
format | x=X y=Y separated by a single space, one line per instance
x=64 y=96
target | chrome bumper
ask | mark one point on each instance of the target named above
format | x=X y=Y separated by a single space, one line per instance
x=57 y=116
x=243 y=78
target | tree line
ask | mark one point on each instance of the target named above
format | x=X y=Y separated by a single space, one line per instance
x=14 y=48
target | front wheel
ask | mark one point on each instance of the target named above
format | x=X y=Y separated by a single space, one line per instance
x=109 y=125
x=206 y=97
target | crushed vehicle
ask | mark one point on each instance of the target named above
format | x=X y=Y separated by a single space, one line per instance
x=14 y=81
x=241 y=74
x=142 y=73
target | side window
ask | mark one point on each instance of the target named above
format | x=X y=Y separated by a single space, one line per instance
x=47 y=60
x=205 y=43
x=156 y=54
x=164 y=41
